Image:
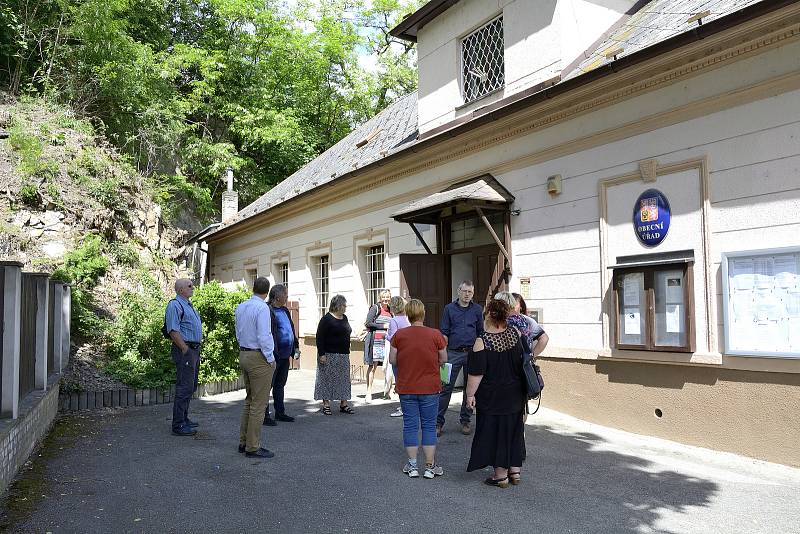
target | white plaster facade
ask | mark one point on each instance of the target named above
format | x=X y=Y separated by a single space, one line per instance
x=541 y=38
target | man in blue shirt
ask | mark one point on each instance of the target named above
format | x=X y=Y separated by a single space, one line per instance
x=186 y=331
x=286 y=347
x=462 y=323
x=257 y=360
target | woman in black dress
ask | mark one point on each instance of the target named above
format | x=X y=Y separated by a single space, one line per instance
x=496 y=390
x=333 y=358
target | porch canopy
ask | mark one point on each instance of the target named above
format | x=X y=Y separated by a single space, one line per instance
x=481 y=193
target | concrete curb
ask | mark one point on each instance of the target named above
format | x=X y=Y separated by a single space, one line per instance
x=122 y=398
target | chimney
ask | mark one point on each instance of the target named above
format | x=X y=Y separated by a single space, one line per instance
x=230 y=200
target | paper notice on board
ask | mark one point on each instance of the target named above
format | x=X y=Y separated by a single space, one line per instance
x=674 y=290
x=673 y=317
x=632 y=326
x=632 y=289
x=785 y=271
x=741 y=271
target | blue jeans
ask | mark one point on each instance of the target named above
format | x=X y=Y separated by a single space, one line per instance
x=459 y=361
x=419 y=409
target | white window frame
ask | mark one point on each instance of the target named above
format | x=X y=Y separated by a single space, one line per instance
x=322 y=284
x=462 y=66
x=726 y=301
x=374 y=271
x=282 y=274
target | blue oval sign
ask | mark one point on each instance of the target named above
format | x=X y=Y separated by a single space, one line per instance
x=651 y=217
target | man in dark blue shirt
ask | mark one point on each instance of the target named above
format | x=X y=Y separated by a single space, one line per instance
x=462 y=322
x=286 y=346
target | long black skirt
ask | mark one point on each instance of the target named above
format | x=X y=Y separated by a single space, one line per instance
x=499 y=441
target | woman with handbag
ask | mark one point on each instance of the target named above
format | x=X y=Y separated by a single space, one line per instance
x=375 y=349
x=496 y=390
x=333 y=358
x=397 y=305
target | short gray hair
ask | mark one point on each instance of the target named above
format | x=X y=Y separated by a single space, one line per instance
x=506 y=297
x=338 y=303
x=397 y=305
x=277 y=291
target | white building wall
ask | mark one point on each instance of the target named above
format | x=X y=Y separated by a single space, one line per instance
x=754 y=164
x=541 y=38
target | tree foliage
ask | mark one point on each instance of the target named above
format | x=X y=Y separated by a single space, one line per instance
x=189 y=88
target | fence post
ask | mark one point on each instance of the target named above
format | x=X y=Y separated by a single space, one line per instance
x=58 y=325
x=11 y=313
x=42 y=306
x=66 y=317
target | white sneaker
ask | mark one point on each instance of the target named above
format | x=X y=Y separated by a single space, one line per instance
x=431 y=472
x=397 y=413
x=410 y=470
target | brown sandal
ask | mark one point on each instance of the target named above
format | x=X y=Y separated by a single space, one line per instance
x=497 y=482
x=515 y=478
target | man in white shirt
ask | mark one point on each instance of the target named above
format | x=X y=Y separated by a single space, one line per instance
x=256 y=358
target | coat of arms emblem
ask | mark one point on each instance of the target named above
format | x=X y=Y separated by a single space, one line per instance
x=648 y=209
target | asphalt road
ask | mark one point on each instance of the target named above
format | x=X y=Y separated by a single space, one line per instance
x=123 y=471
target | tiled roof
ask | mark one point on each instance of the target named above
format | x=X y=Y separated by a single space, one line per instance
x=389 y=131
x=477 y=190
x=655 y=22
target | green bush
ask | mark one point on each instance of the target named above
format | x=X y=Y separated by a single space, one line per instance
x=82 y=268
x=85 y=265
x=140 y=356
x=125 y=254
x=29 y=193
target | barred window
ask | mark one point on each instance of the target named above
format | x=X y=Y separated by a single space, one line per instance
x=283 y=275
x=375 y=274
x=482 y=60
x=321 y=283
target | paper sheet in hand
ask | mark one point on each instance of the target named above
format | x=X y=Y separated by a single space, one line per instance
x=444 y=372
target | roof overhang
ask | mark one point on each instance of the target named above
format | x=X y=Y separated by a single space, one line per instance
x=408 y=28
x=483 y=192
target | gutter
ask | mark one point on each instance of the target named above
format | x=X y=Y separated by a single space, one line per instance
x=523 y=100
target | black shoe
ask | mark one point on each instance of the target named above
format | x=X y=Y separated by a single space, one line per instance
x=269 y=421
x=260 y=453
x=190 y=423
x=184 y=430
x=241 y=448
x=285 y=418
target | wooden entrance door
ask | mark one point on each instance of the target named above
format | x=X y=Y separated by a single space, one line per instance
x=423 y=277
x=485 y=272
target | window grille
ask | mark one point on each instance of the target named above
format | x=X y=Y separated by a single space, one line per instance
x=482 y=61
x=283 y=275
x=376 y=279
x=321 y=281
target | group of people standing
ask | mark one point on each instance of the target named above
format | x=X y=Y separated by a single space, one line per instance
x=488 y=344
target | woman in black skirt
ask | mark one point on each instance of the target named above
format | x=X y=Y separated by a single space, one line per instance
x=495 y=389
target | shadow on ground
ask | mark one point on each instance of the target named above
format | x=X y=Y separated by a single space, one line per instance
x=122 y=471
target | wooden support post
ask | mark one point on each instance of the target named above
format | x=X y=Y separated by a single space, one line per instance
x=419 y=236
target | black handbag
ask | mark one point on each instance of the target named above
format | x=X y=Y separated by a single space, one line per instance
x=534 y=383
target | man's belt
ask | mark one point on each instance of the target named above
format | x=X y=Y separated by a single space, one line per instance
x=462 y=349
x=247 y=349
x=193 y=345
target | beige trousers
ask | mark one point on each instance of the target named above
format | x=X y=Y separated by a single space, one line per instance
x=257 y=382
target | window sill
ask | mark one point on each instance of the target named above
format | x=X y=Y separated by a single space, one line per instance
x=472 y=103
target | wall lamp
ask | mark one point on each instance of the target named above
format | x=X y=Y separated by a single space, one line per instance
x=516 y=212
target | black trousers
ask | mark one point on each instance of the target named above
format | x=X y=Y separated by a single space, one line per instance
x=278 y=384
x=187 y=368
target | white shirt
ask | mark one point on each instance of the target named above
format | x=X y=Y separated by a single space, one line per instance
x=254 y=327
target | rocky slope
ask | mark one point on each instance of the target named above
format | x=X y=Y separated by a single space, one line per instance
x=60 y=182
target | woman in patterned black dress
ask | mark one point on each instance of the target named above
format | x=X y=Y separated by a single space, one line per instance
x=496 y=390
x=333 y=358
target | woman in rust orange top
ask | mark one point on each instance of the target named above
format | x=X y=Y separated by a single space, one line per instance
x=418 y=352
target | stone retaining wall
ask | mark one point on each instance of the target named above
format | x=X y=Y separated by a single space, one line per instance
x=122 y=398
x=18 y=437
